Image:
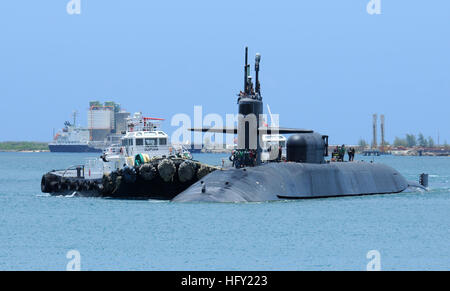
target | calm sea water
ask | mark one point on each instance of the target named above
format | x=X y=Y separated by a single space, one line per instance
x=410 y=230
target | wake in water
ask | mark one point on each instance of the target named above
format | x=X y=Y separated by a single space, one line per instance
x=74 y=194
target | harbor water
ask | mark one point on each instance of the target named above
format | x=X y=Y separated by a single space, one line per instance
x=411 y=231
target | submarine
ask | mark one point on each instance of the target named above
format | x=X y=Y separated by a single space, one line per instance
x=304 y=174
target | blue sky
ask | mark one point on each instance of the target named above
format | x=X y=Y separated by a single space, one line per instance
x=326 y=65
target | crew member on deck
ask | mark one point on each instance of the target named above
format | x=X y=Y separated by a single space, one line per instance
x=250 y=85
x=351 y=154
x=342 y=153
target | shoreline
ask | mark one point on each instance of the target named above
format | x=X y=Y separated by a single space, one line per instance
x=24 y=146
x=24 y=151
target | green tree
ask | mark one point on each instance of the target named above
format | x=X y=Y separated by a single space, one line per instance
x=362 y=143
x=23 y=146
x=400 y=142
x=411 y=140
x=422 y=140
x=430 y=142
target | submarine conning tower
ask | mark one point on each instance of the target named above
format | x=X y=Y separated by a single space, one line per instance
x=309 y=147
x=250 y=110
x=304 y=146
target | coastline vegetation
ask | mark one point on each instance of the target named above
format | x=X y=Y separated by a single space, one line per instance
x=22 y=146
x=410 y=141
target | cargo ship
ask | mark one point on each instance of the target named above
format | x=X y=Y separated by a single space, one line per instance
x=107 y=123
x=72 y=140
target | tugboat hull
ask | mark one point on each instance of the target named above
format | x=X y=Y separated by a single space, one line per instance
x=162 y=179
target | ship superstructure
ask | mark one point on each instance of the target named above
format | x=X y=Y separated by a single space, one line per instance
x=144 y=137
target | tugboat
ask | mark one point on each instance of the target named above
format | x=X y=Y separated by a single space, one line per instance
x=303 y=174
x=143 y=138
x=144 y=166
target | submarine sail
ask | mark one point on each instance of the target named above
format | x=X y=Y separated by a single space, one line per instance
x=250 y=109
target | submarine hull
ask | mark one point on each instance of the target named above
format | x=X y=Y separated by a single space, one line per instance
x=282 y=181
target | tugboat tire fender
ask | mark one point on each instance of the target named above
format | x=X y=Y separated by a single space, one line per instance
x=186 y=171
x=45 y=185
x=129 y=175
x=79 y=186
x=147 y=172
x=167 y=169
x=202 y=171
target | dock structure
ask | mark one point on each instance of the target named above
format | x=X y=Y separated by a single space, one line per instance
x=371 y=152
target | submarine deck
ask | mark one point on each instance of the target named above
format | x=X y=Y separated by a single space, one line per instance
x=280 y=181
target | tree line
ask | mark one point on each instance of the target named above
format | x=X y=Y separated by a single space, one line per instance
x=410 y=140
x=23 y=146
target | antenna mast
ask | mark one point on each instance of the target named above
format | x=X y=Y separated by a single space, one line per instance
x=257 y=85
x=75 y=113
x=246 y=72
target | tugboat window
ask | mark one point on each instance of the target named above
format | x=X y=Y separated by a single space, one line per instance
x=139 y=141
x=150 y=141
x=162 y=141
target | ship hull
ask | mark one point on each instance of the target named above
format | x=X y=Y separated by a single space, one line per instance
x=284 y=181
x=73 y=148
